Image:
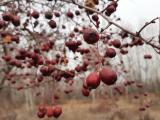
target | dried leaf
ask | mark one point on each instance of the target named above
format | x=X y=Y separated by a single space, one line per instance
x=7 y=39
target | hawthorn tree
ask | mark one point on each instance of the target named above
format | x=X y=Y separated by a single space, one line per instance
x=38 y=38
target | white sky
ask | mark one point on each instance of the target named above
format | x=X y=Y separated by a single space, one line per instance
x=135 y=11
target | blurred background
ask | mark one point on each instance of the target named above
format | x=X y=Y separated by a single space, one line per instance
x=140 y=101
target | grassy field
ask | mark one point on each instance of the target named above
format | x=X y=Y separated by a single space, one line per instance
x=119 y=108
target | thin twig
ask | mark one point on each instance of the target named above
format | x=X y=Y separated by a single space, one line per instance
x=92 y=21
x=109 y=24
x=146 y=24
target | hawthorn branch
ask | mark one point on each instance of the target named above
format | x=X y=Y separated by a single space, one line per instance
x=105 y=17
x=33 y=74
x=114 y=23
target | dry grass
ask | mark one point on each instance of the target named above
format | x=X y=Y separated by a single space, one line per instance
x=109 y=109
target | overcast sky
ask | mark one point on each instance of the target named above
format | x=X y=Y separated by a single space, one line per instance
x=134 y=11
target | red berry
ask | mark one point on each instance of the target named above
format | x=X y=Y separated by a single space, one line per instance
x=40 y=114
x=50 y=111
x=7 y=16
x=57 y=14
x=63 y=27
x=35 y=14
x=48 y=15
x=15 y=38
x=136 y=97
x=76 y=29
x=91 y=36
x=110 y=9
x=93 y=80
x=70 y=14
x=52 y=24
x=42 y=109
x=147 y=56
x=7 y=58
x=57 y=111
x=110 y=52
x=85 y=92
x=78 y=68
x=123 y=51
x=72 y=45
x=15 y=20
x=116 y=43
x=77 y=12
x=142 y=109
x=108 y=76
x=95 y=18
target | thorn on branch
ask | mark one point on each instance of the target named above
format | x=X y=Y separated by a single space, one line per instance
x=153 y=21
